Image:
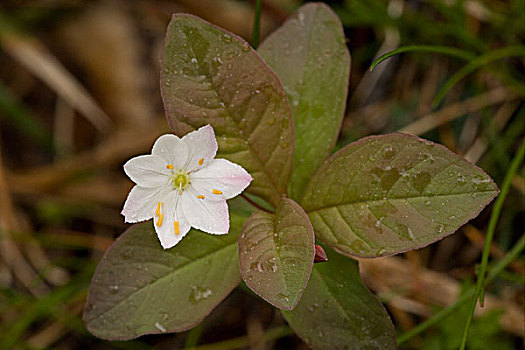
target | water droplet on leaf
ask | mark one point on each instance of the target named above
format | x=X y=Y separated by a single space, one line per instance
x=198 y=294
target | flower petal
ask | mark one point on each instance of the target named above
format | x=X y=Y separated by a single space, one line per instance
x=147 y=171
x=202 y=147
x=141 y=203
x=171 y=148
x=173 y=226
x=205 y=215
x=220 y=180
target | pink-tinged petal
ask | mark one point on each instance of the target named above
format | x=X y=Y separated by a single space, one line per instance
x=220 y=180
x=205 y=215
x=147 y=171
x=173 y=226
x=202 y=147
x=171 y=148
x=141 y=203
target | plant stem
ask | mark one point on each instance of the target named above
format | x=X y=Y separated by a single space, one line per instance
x=256 y=24
x=498 y=205
x=246 y=198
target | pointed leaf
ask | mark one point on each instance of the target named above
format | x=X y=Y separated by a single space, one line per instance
x=276 y=253
x=337 y=311
x=211 y=76
x=139 y=288
x=310 y=56
x=387 y=194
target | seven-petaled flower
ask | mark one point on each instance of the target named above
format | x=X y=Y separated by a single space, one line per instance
x=180 y=185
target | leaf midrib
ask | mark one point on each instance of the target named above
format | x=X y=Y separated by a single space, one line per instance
x=395 y=198
x=332 y=295
x=229 y=115
x=170 y=274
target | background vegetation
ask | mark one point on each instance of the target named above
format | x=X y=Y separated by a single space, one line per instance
x=79 y=96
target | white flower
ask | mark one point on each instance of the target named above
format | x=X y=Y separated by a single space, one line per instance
x=180 y=185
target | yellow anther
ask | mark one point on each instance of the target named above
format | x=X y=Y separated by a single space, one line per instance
x=200 y=196
x=177 y=228
x=158 y=212
x=169 y=166
x=216 y=191
x=201 y=161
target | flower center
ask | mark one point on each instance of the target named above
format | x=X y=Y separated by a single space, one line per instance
x=180 y=181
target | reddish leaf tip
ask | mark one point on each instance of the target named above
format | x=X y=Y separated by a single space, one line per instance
x=320 y=254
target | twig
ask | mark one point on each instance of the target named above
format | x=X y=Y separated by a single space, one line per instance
x=456 y=110
x=34 y=57
x=9 y=251
x=502 y=116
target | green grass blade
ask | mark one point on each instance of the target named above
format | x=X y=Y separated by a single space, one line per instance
x=494 y=272
x=445 y=50
x=17 y=115
x=256 y=24
x=498 y=205
x=475 y=64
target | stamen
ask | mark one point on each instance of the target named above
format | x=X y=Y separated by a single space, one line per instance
x=200 y=196
x=177 y=228
x=158 y=212
x=216 y=191
x=201 y=161
x=169 y=166
x=180 y=189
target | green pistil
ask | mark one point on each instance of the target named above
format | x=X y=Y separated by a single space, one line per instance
x=180 y=181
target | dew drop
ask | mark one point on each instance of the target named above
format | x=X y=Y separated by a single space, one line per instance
x=284 y=297
x=388 y=152
x=127 y=254
x=461 y=179
x=313 y=307
x=160 y=327
x=198 y=293
x=411 y=234
x=300 y=17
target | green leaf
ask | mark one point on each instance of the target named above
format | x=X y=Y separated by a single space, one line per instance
x=387 y=194
x=310 y=56
x=276 y=253
x=337 y=311
x=139 y=288
x=210 y=76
